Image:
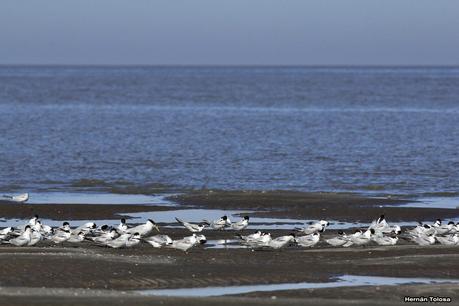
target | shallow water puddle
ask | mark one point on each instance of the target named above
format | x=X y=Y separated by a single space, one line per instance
x=224 y=244
x=436 y=202
x=198 y=215
x=342 y=281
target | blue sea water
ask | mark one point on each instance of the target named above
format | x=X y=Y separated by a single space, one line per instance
x=358 y=129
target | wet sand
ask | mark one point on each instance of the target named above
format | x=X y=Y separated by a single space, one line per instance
x=88 y=274
x=312 y=206
x=75 y=211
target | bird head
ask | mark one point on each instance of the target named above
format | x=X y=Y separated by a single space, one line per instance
x=154 y=224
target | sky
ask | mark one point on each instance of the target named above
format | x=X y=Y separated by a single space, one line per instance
x=232 y=32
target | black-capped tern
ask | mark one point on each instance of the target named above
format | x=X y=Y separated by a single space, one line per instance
x=194 y=228
x=241 y=225
x=143 y=229
x=308 y=241
x=317 y=227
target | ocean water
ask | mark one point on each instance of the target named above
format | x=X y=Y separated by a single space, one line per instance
x=141 y=129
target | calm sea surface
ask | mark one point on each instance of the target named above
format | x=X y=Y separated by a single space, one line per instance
x=383 y=130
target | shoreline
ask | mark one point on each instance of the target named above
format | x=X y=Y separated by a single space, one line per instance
x=88 y=271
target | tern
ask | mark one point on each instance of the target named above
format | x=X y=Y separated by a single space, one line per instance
x=317 y=227
x=339 y=240
x=33 y=221
x=308 y=240
x=441 y=229
x=122 y=227
x=188 y=242
x=448 y=240
x=105 y=237
x=35 y=237
x=143 y=229
x=85 y=228
x=76 y=238
x=263 y=240
x=423 y=239
x=20 y=198
x=219 y=224
x=420 y=229
x=385 y=240
x=46 y=229
x=381 y=226
x=133 y=240
x=158 y=240
x=379 y=223
x=359 y=238
x=5 y=232
x=23 y=239
x=250 y=237
x=194 y=228
x=241 y=225
x=61 y=236
x=119 y=242
x=281 y=242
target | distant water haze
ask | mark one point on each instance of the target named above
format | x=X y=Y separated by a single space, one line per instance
x=261 y=32
x=383 y=130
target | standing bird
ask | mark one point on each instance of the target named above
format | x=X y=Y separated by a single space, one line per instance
x=194 y=228
x=219 y=224
x=143 y=229
x=33 y=221
x=241 y=225
x=122 y=227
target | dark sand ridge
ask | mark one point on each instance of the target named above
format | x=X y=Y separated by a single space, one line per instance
x=75 y=211
x=312 y=206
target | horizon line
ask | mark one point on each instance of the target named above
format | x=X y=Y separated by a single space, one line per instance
x=239 y=65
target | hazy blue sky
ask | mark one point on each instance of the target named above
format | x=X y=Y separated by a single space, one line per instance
x=230 y=32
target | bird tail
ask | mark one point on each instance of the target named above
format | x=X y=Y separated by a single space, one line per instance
x=206 y=222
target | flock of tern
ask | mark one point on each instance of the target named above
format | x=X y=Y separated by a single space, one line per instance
x=125 y=236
